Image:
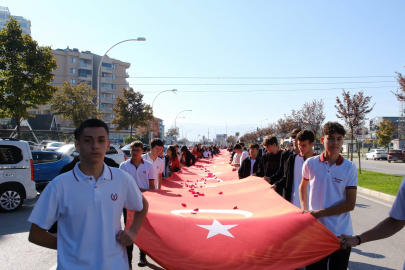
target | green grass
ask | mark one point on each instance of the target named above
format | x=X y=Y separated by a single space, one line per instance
x=382 y=182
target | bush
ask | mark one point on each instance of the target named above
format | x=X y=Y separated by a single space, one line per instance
x=128 y=140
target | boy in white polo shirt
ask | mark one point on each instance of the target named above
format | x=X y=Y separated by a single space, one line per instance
x=332 y=195
x=156 y=149
x=143 y=174
x=87 y=202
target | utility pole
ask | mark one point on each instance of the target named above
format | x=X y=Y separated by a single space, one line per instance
x=208 y=134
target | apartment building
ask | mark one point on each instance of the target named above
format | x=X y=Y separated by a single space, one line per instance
x=76 y=66
x=25 y=24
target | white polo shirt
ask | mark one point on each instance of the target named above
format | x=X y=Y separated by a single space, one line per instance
x=398 y=208
x=295 y=193
x=142 y=174
x=236 y=158
x=89 y=217
x=244 y=155
x=328 y=186
x=158 y=166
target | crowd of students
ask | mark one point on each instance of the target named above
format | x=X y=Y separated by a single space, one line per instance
x=88 y=212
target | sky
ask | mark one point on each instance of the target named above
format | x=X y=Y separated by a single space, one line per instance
x=237 y=65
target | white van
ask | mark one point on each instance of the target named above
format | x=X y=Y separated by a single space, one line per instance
x=16 y=174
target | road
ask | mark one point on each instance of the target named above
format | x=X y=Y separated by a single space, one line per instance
x=381 y=166
x=17 y=253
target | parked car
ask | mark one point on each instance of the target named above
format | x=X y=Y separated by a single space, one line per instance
x=47 y=165
x=395 y=155
x=377 y=154
x=126 y=149
x=34 y=146
x=52 y=146
x=114 y=152
x=45 y=143
x=16 y=174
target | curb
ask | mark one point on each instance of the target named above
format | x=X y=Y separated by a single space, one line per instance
x=377 y=194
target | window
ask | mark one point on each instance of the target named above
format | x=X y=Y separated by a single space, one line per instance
x=113 y=96
x=10 y=154
x=72 y=60
x=114 y=66
x=25 y=31
x=23 y=25
x=112 y=150
x=103 y=105
x=49 y=157
x=113 y=86
x=72 y=81
x=103 y=95
x=106 y=65
x=3 y=16
x=113 y=76
x=73 y=70
x=105 y=85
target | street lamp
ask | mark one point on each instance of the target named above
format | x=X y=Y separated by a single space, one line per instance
x=261 y=122
x=178 y=116
x=101 y=61
x=185 y=139
x=174 y=91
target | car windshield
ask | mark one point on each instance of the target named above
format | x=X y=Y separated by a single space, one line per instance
x=126 y=147
x=54 y=144
x=66 y=148
x=381 y=151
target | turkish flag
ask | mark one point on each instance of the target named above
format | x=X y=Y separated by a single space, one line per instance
x=197 y=221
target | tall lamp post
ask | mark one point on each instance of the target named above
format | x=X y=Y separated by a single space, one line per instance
x=186 y=136
x=174 y=91
x=261 y=122
x=178 y=116
x=101 y=61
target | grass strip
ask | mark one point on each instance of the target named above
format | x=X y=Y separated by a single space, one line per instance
x=381 y=182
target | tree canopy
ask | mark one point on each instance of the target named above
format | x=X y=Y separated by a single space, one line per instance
x=25 y=71
x=75 y=102
x=385 y=132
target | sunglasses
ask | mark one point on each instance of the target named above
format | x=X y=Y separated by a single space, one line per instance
x=294 y=136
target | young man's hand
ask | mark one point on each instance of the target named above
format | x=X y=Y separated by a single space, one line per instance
x=126 y=237
x=266 y=178
x=274 y=187
x=348 y=241
x=315 y=213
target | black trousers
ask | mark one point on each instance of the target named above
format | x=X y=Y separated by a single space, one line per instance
x=338 y=260
x=130 y=248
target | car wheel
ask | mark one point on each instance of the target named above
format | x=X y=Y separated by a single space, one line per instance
x=374 y=158
x=389 y=161
x=11 y=199
x=366 y=157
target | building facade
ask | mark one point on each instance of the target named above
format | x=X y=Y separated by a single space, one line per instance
x=76 y=66
x=374 y=125
x=5 y=15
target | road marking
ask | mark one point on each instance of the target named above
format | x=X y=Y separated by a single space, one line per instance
x=386 y=204
x=53 y=267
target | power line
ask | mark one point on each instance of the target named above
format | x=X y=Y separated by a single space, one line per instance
x=241 y=77
x=244 y=84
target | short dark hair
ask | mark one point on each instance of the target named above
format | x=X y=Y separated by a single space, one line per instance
x=296 y=131
x=306 y=135
x=242 y=144
x=145 y=149
x=270 y=140
x=156 y=142
x=176 y=145
x=254 y=145
x=184 y=149
x=136 y=144
x=237 y=146
x=173 y=150
x=89 y=123
x=333 y=127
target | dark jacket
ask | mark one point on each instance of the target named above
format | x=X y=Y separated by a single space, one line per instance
x=68 y=167
x=244 y=169
x=283 y=160
x=287 y=181
x=269 y=164
x=190 y=159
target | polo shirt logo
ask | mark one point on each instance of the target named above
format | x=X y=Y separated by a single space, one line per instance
x=114 y=197
x=338 y=180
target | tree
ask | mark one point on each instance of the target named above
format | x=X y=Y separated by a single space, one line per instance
x=173 y=132
x=131 y=111
x=385 y=132
x=25 y=72
x=231 y=139
x=75 y=102
x=129 y=139
x=353 y=110
x=401 y=82
x=313 y=115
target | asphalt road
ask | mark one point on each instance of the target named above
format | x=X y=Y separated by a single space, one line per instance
x=17 y=253
x=381 y=166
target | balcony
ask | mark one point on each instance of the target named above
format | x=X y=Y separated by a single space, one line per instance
x=109 y=89
x=107 y=119
x=86 y=56
x=106 y=69
x=108 y=109
x=83 y=64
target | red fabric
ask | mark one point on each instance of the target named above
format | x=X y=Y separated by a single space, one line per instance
x=197 y=154
x=270 y=233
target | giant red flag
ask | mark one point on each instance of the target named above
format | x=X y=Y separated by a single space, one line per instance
x=200 y=221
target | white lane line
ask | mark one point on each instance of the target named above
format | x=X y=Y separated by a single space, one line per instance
x=386 y=204
x=53 y=267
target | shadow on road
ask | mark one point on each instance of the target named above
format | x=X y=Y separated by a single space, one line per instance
x=368 y=254
x=362 y=205
x=359 y=265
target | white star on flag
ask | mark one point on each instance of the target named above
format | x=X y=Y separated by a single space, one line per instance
x=218 y=228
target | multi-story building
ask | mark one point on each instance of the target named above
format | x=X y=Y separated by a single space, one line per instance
x=374 y=125
x=5 y=15
x=76 y=66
